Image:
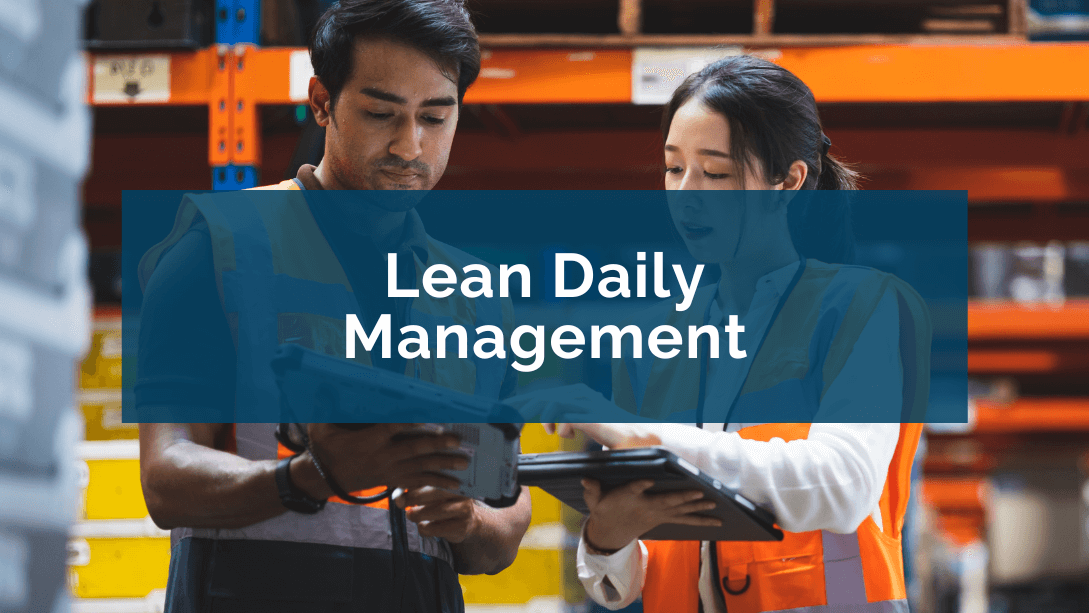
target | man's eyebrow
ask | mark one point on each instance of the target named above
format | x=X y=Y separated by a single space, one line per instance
x=443 y=101
x=394 y=98
x=381 y=95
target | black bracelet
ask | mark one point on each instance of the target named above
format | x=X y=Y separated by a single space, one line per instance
x=291 y=496
x=333 y=485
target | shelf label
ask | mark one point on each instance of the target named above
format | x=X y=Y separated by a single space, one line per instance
x=655 y=73
x=299 y=79
x=132 y=78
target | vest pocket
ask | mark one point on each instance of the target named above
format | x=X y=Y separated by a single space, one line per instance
x=784 y=583
x=793 y=545
x=782 y=574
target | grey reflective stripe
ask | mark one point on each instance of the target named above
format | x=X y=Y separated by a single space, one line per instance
x=255 y=441
x=348 y=525
x=844 y=583
x=345 y=525
x=884 y=606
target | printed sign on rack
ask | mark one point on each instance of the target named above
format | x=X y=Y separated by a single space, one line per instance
x=655 y=73
x=299 y=76
x=131 y=78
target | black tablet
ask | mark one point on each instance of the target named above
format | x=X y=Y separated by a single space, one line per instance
x=315 y=387
x=560 y=474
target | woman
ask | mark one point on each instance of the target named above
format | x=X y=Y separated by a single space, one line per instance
x=826 y=340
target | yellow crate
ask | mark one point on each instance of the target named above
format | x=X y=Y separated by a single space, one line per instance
x=102 y=417
x=546 y=508
x=101 y=368
x=154 y=603
x=535 y=440
x=113 y=490
x=109 y=566
x=110 y=480
x=535 y=573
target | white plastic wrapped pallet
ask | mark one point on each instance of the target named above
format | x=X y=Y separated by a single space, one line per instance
x=44 y=295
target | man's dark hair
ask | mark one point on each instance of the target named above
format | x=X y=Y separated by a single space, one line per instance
x=439 y=28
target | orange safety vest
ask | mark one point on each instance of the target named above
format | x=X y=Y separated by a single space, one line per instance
x=282 y=451
x=817 y=571
x=308 y=296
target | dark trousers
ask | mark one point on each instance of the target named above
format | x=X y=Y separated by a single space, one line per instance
x=243 y=576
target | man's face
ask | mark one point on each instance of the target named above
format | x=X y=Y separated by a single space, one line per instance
x=393 y=123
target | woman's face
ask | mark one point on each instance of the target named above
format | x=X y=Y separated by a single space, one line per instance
x=697 y=157
x=697 y=153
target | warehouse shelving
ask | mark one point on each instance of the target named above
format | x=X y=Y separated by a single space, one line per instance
x=1032 y=360
x=1041 y=343
x=234 y=82
x=1034 y=415
x=922 y=52
x=990 y=113
x=889 y=73
x=1068 y=320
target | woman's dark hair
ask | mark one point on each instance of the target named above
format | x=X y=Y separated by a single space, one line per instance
x=439 y=28
x=773 y=122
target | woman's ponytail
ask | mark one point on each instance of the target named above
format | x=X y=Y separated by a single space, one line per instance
x=820 y=223
x=836 y=174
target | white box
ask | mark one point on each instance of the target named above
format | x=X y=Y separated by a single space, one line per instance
x=38 y=38
x=39 y=210
x=1036 y=526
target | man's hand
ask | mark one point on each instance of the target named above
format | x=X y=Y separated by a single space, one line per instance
x=483 y=539
x=373 y=456
x=628 y=512
x=440 y=513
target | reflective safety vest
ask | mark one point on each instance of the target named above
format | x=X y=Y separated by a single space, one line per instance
x=805 y=348
x=279 y=281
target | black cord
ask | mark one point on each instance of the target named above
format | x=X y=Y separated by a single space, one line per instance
x=398 y=527
x=283 y=435
x=333 y=485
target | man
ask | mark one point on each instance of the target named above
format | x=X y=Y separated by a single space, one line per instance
x=251 y=527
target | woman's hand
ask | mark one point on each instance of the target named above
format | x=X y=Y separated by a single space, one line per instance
x=566 y=410
x=628 y=512
x=613 y=436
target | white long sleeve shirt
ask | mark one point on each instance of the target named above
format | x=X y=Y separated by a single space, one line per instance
x=832 y=480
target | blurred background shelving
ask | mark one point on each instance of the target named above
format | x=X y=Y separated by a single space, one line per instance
x=987 y=96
